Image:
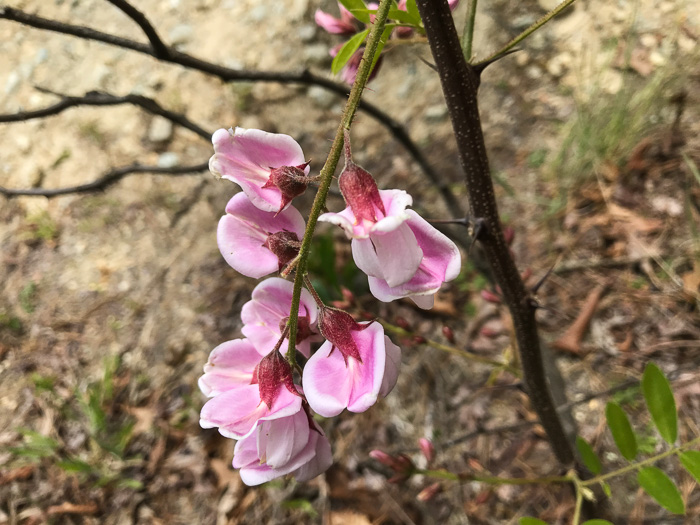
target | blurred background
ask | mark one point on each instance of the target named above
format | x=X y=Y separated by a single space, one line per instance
x=111 y=301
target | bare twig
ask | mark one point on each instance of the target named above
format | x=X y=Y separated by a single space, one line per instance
x=98 y=98
x=160 y=50
x=106 y=180
x=460 y=82
x=226 y=74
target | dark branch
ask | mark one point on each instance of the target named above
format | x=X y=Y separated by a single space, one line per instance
x=160 y=50
x=230 y=75
x=460 y=83
x=106 y=180
x=98 y=98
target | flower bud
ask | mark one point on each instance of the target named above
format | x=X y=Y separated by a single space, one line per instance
x=427 y=448
x=491 y=297
x=449 y=334
x=429 y=492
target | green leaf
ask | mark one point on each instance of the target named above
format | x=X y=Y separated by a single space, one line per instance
x=606 y=489
x=358 y=9
x=691 y=462
x=527 y=520
x=659 y=398
x=75 y=465
x=382 y=41
x=588 y=455
x=404 y=17
x=621 y=430
x=597 y=522
x=660 y=487
x=130 y=483
x=301 y=504
x=412 y=8
x=346 y=52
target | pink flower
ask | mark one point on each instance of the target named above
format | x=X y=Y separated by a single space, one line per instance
x=402 y=254
x=237 y=412
x=269 y=167
x=335 y=380
x=265 y=316
x=441 y=263
x=345 y=25
x=231 y=365
x=290 y=445
x=256 y=242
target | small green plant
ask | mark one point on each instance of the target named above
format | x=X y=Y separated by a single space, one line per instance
x=42 y=226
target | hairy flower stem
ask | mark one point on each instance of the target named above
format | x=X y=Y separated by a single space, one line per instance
x=460 y=83
x=330 y=165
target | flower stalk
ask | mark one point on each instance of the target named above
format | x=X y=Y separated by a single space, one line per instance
x=329 y=167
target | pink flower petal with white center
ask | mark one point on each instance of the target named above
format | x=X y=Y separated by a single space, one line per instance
x=280 y=440
x=242 y=233
x=246 y=157
x=271 y=302
x=322 y=461
x=256 y=464
x=393 y=256
x=441 y=263
x=230 y=366
x=331 y=386
x=237 y=412
x=391 y=368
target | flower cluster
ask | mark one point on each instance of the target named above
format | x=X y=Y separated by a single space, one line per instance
x=348 y=25
x=256 y=396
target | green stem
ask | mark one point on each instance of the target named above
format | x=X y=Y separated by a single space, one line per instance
x=454 y=350
x=636 y=466
x=468 y=33
x=522 y=36
x=493 y=480
x=330 y=165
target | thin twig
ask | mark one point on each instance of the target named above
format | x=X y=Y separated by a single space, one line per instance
x=468 y=33
x=226 y=74
x=109 y=178
x=98 y=98
x=522 y=36
x=159 y=48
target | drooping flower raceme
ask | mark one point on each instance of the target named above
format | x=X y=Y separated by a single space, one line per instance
x=353 y=368
x=255 y=242
x=265 y=316
x=269 y=167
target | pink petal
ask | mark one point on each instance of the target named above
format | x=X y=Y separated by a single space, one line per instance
x=334 y=25
x=391 y=369
x=346 y=220
x=271 y=302
x=441 y=262
x=325 y=382
x=246 y=157
x=230 y=366
x=237 y=412
x=282 y=439
x=331 y=386
x=398 y=255
x=395 y=203
x=321 y=461
x=243 y=231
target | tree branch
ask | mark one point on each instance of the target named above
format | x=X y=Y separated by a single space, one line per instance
x=160 y=50
x=99 y=98
x=106 y=180
x=460 y=84
x=225 y=74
